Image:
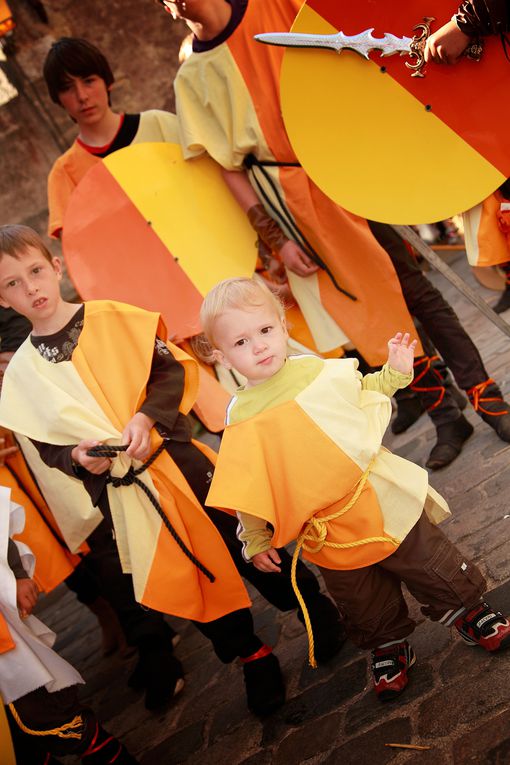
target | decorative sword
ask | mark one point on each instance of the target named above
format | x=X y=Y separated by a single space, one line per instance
x=364 y=42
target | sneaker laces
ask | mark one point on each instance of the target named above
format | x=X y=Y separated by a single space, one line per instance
x=477 y=398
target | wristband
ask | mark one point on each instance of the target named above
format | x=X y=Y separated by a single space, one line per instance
x=268 y=229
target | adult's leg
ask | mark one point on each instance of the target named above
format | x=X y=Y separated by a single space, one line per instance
x=448 y=335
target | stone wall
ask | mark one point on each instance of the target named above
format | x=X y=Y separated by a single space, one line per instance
x=141 y=42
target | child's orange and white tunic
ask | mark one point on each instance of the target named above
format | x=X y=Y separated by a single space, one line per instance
x=297 y=445
x=93 y=396
x=27 y=661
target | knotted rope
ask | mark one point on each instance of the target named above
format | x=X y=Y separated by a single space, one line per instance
x=68 y=730
x=316 y=532
x=130 y=478
x=477 y=398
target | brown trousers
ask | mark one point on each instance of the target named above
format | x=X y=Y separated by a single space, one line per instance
x=432 y=568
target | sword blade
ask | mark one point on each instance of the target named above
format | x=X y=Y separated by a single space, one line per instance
x=362 y=43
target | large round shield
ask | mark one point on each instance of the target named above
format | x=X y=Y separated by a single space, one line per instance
x=384 y=144
x=148 y=228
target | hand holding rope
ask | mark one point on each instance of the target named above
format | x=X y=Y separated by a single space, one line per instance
x=131 y=477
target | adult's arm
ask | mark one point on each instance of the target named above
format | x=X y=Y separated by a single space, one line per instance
x=479 y=18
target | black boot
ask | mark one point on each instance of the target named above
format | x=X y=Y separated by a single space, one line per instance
x=104 y=749
x=489 y=403
x=265 y=690
x=158 y=672
x=327 y=627
x=409 y=409
x=450 y=440
x=503 y=303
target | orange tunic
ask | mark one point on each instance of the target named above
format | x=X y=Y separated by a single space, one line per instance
x=228 y=105
x=94 y=396
x=486 y=244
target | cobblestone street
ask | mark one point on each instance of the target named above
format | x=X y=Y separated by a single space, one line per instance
x=457 y=704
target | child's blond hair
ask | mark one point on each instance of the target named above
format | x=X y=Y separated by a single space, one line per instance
x=239 y=293
x=15 y=239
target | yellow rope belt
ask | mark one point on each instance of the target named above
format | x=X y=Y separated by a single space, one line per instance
x=316 y=532
x=64 y=731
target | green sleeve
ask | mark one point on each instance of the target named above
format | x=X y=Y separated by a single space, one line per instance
x=254 y=535
x=386 y=381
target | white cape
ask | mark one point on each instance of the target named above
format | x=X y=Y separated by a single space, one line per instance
x=32 y=663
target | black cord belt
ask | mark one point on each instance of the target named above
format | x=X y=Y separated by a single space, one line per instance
x=130 y=478
x=284 y=216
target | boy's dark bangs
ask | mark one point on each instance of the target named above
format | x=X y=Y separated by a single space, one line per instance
x=73 y=57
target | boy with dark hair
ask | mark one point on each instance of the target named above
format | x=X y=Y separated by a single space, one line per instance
x=69 y=64
x=105 y=375
x=79 y=79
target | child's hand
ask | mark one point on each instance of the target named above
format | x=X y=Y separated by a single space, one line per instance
x=7 y=444
x=26 y=596
x=401 y=353
x=267 y=561
x=96 y=465
x=137 y=434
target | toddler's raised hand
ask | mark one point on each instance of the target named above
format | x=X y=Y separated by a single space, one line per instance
x=401 y=353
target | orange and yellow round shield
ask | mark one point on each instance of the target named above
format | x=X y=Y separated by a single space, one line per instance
x=148 y=228
x=383 y=144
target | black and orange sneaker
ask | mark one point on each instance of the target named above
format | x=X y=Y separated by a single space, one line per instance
x=484 y=626
x=390 y=664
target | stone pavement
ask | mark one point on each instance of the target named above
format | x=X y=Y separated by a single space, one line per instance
x=458 y=702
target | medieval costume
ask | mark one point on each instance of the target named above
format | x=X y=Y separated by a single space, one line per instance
x=358 y=511
x=228 y=104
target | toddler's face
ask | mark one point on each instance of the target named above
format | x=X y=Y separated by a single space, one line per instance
x=252 y=340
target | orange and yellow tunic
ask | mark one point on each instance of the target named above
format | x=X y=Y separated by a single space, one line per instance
x=228 y=106
x=296 y=447
x=93 y=396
